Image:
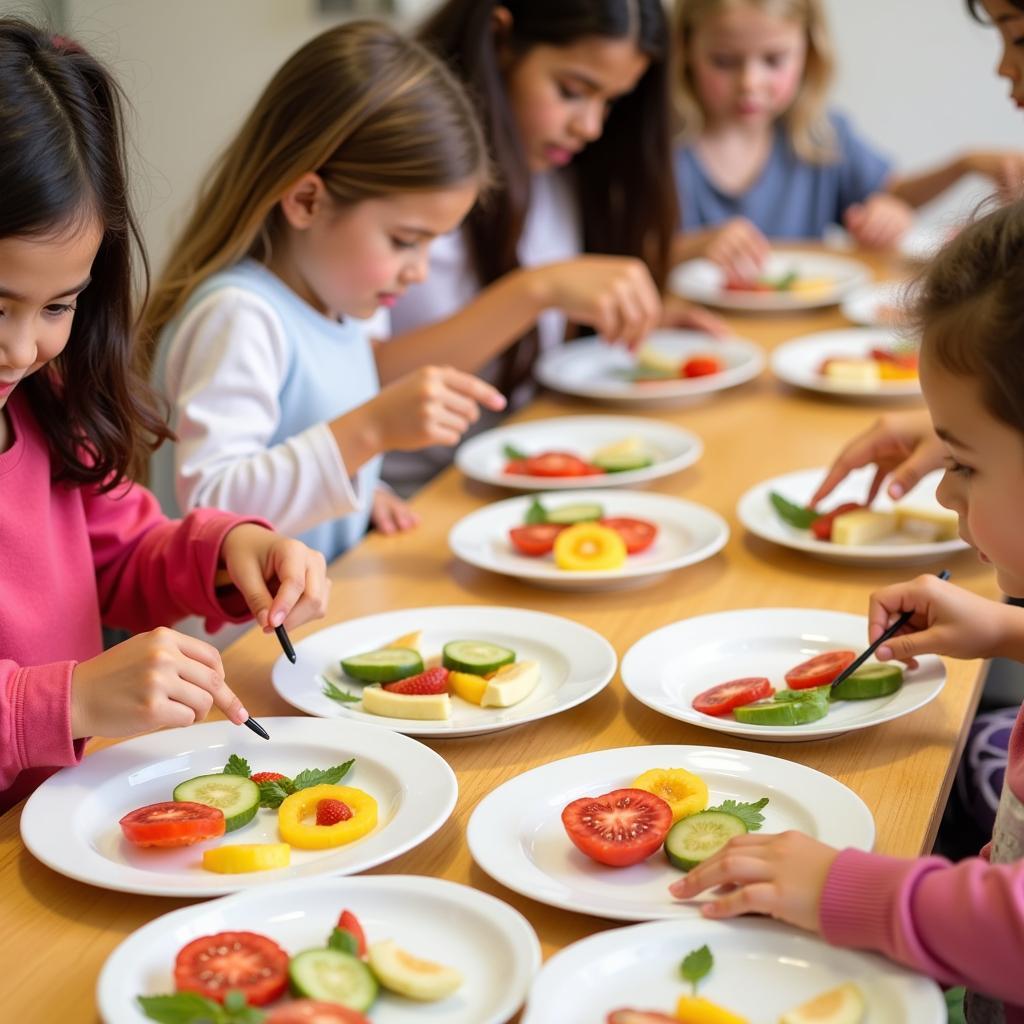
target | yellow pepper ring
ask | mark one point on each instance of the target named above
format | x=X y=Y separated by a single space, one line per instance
x=302 y=805
x=589 y=546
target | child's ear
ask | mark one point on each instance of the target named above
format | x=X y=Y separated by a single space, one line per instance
x=501 y=26
x=303 y=200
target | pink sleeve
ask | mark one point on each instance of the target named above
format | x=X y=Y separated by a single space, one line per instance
x=962 y=923
x=152 y=571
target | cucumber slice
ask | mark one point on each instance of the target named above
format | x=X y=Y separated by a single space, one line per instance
x=782 y=712
x=623 y=463
x=235 y=795
x=384 y=666
x=693 y=839
x=476 y=656
x=334 y=977
x=584 y=512
x=868 y=682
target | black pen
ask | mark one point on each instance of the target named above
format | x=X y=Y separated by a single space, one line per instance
x=257 y=728
x=286 y=644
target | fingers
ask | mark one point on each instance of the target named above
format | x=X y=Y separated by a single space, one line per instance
x=392 y=515
x=740 y=249
x=759 y=898
x=198 y=682
x=477 y=390
x=291 y=563
x=313 y=603
x=925 y=458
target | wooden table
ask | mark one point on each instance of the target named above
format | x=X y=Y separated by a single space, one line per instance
x=57 y=932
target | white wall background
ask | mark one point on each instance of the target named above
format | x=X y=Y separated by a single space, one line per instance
x=916 y=75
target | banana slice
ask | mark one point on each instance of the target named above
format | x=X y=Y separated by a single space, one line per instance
x=511 y=684
x=410 y=976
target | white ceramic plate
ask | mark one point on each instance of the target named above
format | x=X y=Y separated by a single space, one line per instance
x=483 y=457
x=71 y=822
x=687 y=533
x=758 y=515
x=668 y=668
x=516 y=835
x=871 y=305
x=798 y=362
x=761 y=970
x=575 y=664
x=492 y=944
x=592 y=368
x=704 y=281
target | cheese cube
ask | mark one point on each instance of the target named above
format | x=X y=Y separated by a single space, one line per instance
x=863 y=527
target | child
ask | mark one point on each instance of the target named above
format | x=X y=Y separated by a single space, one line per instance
x=963 y=923
x=574 y=97
x=761 y=154
x=361 y=149
x=79 y=544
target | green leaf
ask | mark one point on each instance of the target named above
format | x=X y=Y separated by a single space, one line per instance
x=749 y=814
x=237 y=766
x=696 y=965
x=535 y=513
x=785 y=282
x=326 y=777
x=513 y=453
x=272 y=794
x=344 y=941
x=332 y=691
x=182 y=1008
x=796 y=515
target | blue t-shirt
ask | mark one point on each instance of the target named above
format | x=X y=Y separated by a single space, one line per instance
x=791 y=198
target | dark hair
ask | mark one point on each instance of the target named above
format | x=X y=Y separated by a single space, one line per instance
x=624 y=179
x=968 y=309
x=62 y=162
x=974 y=5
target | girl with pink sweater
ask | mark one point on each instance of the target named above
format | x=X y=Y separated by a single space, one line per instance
x=80 y=545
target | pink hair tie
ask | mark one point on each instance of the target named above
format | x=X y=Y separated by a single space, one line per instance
x=65 y=45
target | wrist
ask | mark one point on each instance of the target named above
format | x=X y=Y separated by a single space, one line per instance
x=359 y=435
x=78 y=718
x=534 y=287
x=1010 y=636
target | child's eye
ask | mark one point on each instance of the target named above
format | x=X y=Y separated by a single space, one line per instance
x=401 y=243
x=59 y=308
x=568 y=93
x=952 y=466
x=723 y=62
x=775 y=60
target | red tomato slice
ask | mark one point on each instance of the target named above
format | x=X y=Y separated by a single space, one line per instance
x=313 y=1011
x=535 y=540
x=908 y=360
x=350 y=923
x=173 y=823
x=638 y=534
x=639 y=1017
x=620 y=828
x=723 y=698
x=822 y=527
x=517 y=467
x=819 y=670
x=559 y=464
x=700 y=366
x=215 y=964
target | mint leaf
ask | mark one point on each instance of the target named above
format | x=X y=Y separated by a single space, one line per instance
x=749 y=814
x=272 y=794
x=237 y=766
x=344 y=941
x=696 y=965
x=535 y=514
x=183 y=1008
x=513 y=453
x=794 y=515
x=316 y=777
x=332 y=691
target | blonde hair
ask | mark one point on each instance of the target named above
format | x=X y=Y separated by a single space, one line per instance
x=371 y=112
x=807 y=125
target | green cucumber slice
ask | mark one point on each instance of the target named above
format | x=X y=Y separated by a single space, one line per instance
x=782 y=712
x=334 y=977
x=476 y=656
x=584 y=512
x=623 y=463
x=868 y=682
x=795 y=515
x=235 y=795
x=693 y=839
x=384 y=666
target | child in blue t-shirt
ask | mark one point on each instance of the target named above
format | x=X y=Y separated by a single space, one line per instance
x=762 y=157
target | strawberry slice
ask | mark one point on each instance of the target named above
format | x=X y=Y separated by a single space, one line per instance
x=434 y=680
x=330 y=812
x=350 y=923
x=269 y=777
x=640 y=1017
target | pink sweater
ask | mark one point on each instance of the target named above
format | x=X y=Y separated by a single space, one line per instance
x=962 y=924
x=71 y=559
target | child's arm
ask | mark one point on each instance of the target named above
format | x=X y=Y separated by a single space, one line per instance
x=1004 y=168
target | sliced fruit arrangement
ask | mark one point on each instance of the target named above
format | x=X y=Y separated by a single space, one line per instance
x=475 y=671
x=631 y=453
x=880 y=366
x=225 y=976
x=652 y=366
x=791 y=282
x=852 y=525
x=754 y=701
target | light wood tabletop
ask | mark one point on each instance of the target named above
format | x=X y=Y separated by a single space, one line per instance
x=58 y=932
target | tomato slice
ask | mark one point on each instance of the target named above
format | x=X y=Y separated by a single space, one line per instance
x=907 y=360
x=822 y=526
x=819 y=670
x=215 y=964
x=559 y=464
x=723 y=698
x=700 y=366
x=639 y=1017
x=313 y=1011
x=535 y=540
x=517 y=467
x=173 y=823
x=638 y=534
x=350 y=923
x=620 y=828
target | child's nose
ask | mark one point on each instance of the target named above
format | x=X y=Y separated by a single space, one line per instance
x=18 y=348
x=948 y=492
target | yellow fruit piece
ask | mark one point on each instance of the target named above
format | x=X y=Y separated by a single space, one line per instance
x=467 y=686
x=698 y=1010
x=301 y=805
x=410 y=976
x=410 y=640
x=651 y=359
x=511 y=684
x=683 y=791
x=589 y=547
x=241 y=857
x=842 y=1005
x=893 y=371
x=811 y=285
x=421 y=707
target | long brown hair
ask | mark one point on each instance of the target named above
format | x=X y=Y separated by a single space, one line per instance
x=807 y=124
x=624 y=179
x=62 y=163
x=371 y=112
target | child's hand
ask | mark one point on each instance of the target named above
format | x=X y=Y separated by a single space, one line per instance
x=390 y=514
x=433 y=405
x=256 y=558
x=782 y=876
x=901 y=444
x=947 y=620
x=677 y=312
x=739 y=248
x=155 y=679
x=879 y=222
x=1005 y=168
x=615 y=295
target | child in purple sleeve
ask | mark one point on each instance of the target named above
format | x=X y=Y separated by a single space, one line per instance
x=962 y=924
